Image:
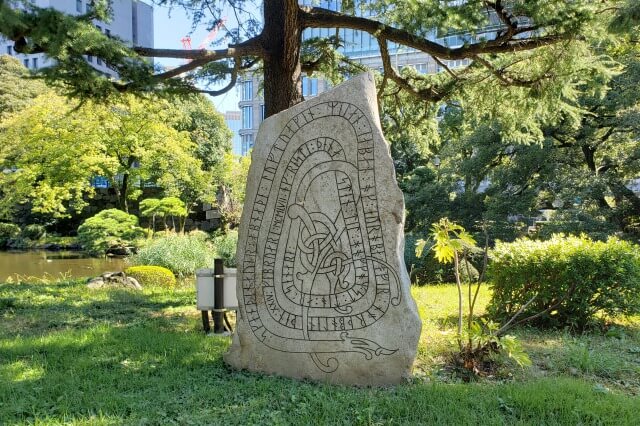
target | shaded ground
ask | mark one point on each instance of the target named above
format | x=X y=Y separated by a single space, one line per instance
x=68 y=355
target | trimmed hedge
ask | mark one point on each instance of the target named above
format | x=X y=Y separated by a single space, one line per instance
x=152 y=275
x=600 y=278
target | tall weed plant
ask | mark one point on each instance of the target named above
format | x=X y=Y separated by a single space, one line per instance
x=180 y=253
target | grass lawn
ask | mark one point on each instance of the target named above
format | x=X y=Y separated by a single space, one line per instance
x=68 y=355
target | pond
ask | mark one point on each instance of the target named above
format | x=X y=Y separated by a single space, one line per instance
x=54 y=264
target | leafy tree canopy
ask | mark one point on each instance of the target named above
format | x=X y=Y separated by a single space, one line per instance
x=52 y=149
x=521 y=53
x=17 y=90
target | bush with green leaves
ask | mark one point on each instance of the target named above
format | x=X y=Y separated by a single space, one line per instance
x=566 y=281
x=149 y=275
x=109 y=229
x=180 y=253
x=34 y=232
x=8 y=231
x=225 y=247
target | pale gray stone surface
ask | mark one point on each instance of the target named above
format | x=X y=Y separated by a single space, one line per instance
x=113 y=280
x=322 y=286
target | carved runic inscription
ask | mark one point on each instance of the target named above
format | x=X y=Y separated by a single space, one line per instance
x=315 y=265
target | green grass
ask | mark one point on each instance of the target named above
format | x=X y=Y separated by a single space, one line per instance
x=68 y=355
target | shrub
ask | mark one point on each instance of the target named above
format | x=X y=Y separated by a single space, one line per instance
x=152 y=275
x=572 y=279
x=34 y=232
x=225 y=247
x=107 y=230
x=8 y=231
x=182 y=254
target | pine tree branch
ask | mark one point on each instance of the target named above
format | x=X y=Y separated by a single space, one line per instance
x=315 y=17
x=428 y=94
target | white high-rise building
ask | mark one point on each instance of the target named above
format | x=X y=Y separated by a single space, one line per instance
x=132 y=21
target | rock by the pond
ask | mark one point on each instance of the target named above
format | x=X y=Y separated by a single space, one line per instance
x=114 y=280
x=322 y=288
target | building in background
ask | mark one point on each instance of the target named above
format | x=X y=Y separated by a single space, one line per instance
x=234 y=122
x=132 y=22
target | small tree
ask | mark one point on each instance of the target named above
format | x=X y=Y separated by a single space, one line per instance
x=480 y=339
x=174 y=207
x=151 y=207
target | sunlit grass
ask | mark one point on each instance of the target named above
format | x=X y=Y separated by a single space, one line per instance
x=69 y=355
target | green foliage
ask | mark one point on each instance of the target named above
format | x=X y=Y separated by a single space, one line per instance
x=569 y=280
x=449 y=238
x=180 y=253
x=206 y=128
x=54 y=147
x=8 y=231
x=149 y=275
x=17 y=90
x=109 y=229
x=232 y=174
x=33 y=232
x=174 y=207
x=225 y=247
x=424 y=269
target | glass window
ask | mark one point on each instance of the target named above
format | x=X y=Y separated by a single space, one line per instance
x=247 y=144
x=262 y=112
x=34 y=62
x=314 y=87
x=9 y=50
x=309 y=86
x=98 y=61
x=26 y=63
x=247 y=90
x=107 y=32
x=89 y=58
x=247 y=117
x=79 y=6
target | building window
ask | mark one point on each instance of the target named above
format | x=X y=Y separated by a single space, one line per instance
x=247 y=144
x=247 y=90
x=262 y=113
x=26 y=63
x=309 y=86
x=90 y=59
x=98 y=61
x=107 y=32
x=247 y=117
x=9 y=50
x=34 y=63
x=79 y=6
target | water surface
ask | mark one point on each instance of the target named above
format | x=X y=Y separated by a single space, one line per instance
x=54 y=264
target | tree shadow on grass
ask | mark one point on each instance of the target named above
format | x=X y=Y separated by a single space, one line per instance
x=34 y=309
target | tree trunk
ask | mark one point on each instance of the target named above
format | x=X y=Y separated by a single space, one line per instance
x=123 y=192
x=281 y=39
